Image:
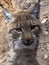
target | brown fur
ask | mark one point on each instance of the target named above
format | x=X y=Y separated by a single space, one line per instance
x=9 y=34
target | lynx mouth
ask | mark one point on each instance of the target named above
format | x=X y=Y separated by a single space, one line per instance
x=28 y=43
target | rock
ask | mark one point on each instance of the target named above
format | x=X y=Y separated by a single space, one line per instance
x=44 y=21
x=48 y=46
x=45 y=32
x=42 y=49
x=45 y=56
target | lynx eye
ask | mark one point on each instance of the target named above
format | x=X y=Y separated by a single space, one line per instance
x=34 y=27
x=18 y=29
x=15 y=30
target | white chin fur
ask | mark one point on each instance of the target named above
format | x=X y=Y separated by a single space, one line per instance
x=18 y=44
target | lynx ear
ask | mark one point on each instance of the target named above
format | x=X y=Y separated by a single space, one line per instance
x=36 y=10
x=9 y=17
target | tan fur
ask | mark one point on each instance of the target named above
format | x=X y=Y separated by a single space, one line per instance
x=8 y=38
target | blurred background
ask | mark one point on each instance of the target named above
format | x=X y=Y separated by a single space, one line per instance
x=17 y=5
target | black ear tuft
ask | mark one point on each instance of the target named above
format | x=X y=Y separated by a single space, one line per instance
x=9 y=17
x=1 y=5
x=36 y=10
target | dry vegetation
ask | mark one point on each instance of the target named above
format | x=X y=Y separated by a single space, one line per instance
x=13 y=6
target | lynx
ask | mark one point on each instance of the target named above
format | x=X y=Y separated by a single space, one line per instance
x=21 y=34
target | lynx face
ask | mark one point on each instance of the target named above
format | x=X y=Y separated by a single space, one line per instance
x=23 y=31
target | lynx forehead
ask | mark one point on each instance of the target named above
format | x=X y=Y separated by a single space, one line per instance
x=23 y=19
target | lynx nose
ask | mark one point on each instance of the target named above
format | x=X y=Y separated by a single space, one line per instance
x=28 y=42
x=28 y=39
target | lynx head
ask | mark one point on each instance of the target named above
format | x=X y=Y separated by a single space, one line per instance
x=23 y=30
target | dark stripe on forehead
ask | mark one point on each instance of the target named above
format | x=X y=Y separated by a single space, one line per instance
x=24 y=19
